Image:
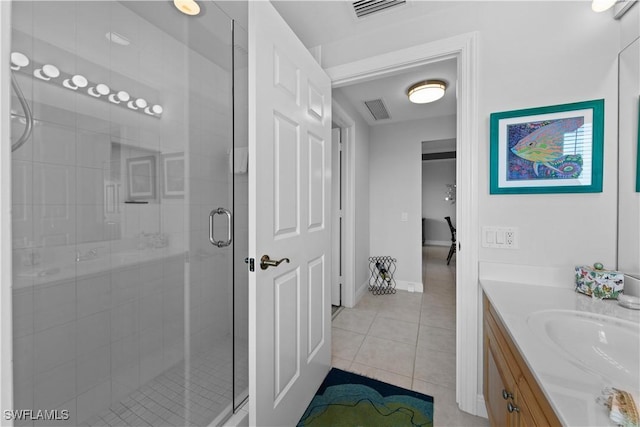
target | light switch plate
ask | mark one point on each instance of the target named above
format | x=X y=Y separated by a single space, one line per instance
x=500 y=237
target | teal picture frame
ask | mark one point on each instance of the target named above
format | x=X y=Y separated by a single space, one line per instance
x=552 y=149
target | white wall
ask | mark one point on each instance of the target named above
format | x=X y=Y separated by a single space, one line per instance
x=395 y=188
x=436 y=174
x=361 y=196
x=630 y=26
x=520 y=66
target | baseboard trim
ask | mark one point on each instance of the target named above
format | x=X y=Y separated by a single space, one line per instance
x=481 y=407
x=409 y=286
x=437 y=243
x=360 y=293
x=402 y=285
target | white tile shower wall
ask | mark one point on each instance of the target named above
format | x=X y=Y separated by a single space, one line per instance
x=119 y=343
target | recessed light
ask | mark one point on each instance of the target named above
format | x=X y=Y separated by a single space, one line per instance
x=188 y=7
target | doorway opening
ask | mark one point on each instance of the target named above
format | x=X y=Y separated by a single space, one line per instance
x=439 y=198
x=464 y=49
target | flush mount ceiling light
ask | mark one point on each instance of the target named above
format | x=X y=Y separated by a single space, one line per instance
x=188 y=7
x=602 y=5
x=426 y=91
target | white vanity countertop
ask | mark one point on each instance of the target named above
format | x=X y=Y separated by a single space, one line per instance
x=571 y=389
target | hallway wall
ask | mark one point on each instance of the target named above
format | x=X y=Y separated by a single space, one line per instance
x=395 y=187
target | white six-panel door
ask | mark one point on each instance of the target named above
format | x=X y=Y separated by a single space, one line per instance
x=289 y=217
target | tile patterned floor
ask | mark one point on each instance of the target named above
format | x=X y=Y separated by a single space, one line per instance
x=408 y=339
x=172 y=399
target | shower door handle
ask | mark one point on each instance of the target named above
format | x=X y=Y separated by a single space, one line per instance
x=212 y=238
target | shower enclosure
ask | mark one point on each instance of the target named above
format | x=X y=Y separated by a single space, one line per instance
x=129 y=201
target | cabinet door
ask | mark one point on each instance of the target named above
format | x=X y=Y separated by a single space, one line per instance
x=497 y=380
x=525 y=419
x=530 y=412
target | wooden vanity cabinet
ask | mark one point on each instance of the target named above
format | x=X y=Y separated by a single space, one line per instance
x=512 y=395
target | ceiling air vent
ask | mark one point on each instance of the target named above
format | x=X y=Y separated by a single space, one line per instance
x=367 y=7
x=378 y=109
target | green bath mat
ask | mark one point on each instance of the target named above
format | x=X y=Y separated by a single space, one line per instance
x=347 y=400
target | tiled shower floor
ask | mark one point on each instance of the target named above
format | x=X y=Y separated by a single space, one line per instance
x=183 y=395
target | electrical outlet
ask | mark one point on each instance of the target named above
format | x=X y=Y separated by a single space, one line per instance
x=509 y=237
x=500 y=237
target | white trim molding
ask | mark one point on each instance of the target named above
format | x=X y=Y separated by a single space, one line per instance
x=361 y=291
x=482 y=407
x=346 y=123
x=405 y=285
x=622 y=7
x=397 y=61
x=446 y=243
x=464 y=48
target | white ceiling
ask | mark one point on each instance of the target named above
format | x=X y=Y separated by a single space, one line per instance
x=318 y=22
x=393 y=91
x=322 y=22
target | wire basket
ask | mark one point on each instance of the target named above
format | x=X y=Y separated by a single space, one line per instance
x=382 y=270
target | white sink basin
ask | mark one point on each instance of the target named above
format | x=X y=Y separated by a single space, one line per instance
x=600 y=344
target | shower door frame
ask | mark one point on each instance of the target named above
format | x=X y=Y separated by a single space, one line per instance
x=6 y=335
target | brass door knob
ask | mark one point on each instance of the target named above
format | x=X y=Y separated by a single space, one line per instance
x=266 y=262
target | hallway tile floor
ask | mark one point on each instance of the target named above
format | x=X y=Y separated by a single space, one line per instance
x=408 y=339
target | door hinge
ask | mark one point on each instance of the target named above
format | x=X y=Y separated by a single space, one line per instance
x=251 y=262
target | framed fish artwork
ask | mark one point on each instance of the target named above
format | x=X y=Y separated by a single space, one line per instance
x=554 y=149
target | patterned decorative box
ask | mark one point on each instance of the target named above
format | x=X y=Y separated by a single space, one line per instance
x=599 y=283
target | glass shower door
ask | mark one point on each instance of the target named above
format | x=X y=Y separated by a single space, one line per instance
x=123 y=309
